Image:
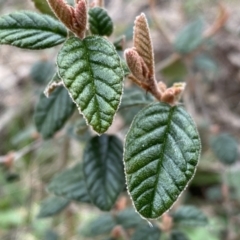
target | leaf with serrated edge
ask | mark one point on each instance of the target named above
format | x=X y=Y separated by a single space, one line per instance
x=70 y=184
x=162 y=149
x=30 y=30
x=52 y=113
x=99 y=22
x=91 y=71
x=142 y=41
x=103 y=170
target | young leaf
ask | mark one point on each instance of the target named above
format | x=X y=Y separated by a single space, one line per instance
x=162 y=149
x=103 y=170
x=52 y=113
x=225 y=148
x=70 y=184
x=92 y=72
x=99 y=22
x=190 y=215
x=146 y=232
x=52 y=206
x=190 y=37
x=43 y=7
x=31 y=30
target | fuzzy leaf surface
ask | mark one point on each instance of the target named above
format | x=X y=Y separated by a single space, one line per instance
x=162 y=149
x=145 y=232
x=52 y=113
x=103 y=170
x=52 y=206
x=99 y=22
x=190 y=215
x=70 y=184
x=30 y=30
x=91 y=71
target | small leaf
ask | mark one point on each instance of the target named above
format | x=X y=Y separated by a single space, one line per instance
x=190 y=215
x=190 y=37
x=42 y=72
x=92 y=72
x=52 y=113
x=225 y=148
x=70 y=184
x=128 y=218
x=31 y=30
x=162 y=149
x=43 y=7
x=52 y=206
x=146 y=232
x=99 y=226
x=177 y=235
x=99 y=22
x=103 y=170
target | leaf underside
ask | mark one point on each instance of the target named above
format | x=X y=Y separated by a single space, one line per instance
x=162 y=149
x=99 y=22
x=70 y=184
x=30 y=30
x=91 y=71
x=103 y=170
x=52 y=113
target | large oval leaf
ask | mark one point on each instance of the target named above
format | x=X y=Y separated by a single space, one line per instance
x=91 y=71
x=52 y=113
x=103 y=170
x=70 y=184
x=31 y=30
x=162 y=149
x=99 y=22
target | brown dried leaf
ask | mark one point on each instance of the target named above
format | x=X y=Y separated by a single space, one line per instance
x=142 y=42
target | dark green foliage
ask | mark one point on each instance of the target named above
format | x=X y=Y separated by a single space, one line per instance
x=178 y=235
x=146 y=232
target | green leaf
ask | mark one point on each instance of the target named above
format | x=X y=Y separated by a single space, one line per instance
x=190 y=215
x=92 y=72
x=99 y=226
x=70 y=184
x=42 y=72
x=43 y=7
x=31 y=30
x=99 y=22
x=162 y=149
x=190 y=37
x=128 y=218
x=146 y=232
x=52 y=113
x=225 y=148
x=52 y=206
x=103 y=170
x=177 y=235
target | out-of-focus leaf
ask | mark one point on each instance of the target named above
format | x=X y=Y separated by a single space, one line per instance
x=146 y=232
x=43 y=7
x=119 y=43
x=177 y=235
x=92 y=72
x=52 y=206
x=190 y=215
x=70 y=184
x=42 y=72
x=100 y=22
x=190 y=37
x=128 y=218
x=51 y=235
x=52 y=113
x=161 y=152
x=103 y=170
x=225 y=147
x=99 y=226
x=31 y=30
